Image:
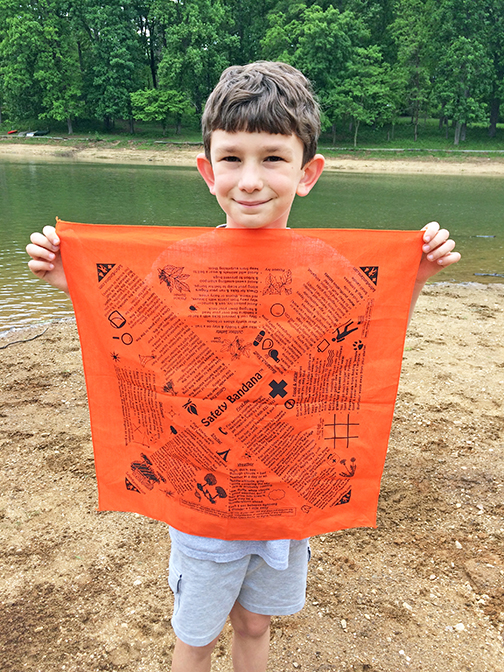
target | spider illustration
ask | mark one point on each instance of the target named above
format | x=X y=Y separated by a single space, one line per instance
x=115 y=357
x=237 y=348
x=173 y=277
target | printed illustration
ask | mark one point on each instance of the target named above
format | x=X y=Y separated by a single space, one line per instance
x=344 y=434
x=173 y=277
x=217 y=492
x=143 y=470
x=276 y=284
x=190 y=407
x=103 y=269
x=344 y=330
x=169 y=388
x=237 y=348
x=371 y=272
x=234 y=389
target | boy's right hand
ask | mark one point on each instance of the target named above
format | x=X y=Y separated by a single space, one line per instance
x=46 y=263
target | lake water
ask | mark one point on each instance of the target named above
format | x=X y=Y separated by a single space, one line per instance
x=33 y=194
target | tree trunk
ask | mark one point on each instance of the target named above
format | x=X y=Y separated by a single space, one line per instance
x=178 y=128
x=0 y=114
x=69 y=124
x=463 y=132
x=79 y=52
x=494 y=117
x=333 y=129
x=393 y=130
x=152 y=55
x=458 y=127
x=357 y=122
x=132 y=125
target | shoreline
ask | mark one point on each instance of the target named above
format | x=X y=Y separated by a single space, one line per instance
x=429 y=578
x=185 y=156
x=8 y=333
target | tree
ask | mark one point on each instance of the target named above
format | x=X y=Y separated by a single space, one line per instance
x=157 y=105
x=496 y=51
x=377 y=15
x=249 y=22
x=111 y=56
x=39 y=63
x=366 y=95
x=462 y=63
x=321 y=44
x=199 y=41
x=412 y=35
x=150 y=33
x=463 y=84
x=19 y=47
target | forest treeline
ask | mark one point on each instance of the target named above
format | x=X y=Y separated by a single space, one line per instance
x=370 y=61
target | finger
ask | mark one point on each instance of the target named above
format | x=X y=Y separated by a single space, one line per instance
x=440 y=237
x=441 y=250
x=43 y=241
x=450 y=258
x=50 y=233
x=40 y=252
x=40 y=268
x=430 y=231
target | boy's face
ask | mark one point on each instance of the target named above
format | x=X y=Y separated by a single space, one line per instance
x=255 y=176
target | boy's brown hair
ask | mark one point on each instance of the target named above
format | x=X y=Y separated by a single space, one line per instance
x=266 y=96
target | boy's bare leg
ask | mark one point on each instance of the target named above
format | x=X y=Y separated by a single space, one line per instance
x=192 y=658
x=250 y=639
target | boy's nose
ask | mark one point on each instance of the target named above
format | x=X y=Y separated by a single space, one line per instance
x=250 y=178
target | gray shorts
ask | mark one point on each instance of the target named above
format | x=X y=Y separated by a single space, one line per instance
x=206 y=591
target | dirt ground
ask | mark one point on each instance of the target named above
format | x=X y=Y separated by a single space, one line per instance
x=15 y=149
x=83 y=591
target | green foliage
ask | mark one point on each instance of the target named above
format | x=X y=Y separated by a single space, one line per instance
x=157 y=105
x=39 y=64
x=113 y=52
x=199 y=42
x=412 y=33
x=366 y=94
x=157 y=60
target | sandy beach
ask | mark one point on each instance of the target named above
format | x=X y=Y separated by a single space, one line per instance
x=185 y=155
x=86 y=591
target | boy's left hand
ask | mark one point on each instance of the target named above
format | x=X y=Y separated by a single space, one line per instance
x=437 y=252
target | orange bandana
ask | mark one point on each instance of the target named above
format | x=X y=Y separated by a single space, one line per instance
x=241 y=383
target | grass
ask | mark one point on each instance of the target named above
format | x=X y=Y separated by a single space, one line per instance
x=382 y=141
x=430 y=137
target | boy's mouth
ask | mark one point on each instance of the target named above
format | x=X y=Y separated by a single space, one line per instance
x=252 y=204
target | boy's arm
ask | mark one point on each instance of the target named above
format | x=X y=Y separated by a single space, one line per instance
x=437 y=254
x=46 y=263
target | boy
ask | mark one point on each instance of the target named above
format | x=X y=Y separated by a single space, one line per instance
x=260 y=129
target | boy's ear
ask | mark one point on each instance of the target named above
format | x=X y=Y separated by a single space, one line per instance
x=206 y=171
x=312 y=171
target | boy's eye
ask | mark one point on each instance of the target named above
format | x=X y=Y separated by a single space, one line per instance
x=274 y=158
x=230 y=158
